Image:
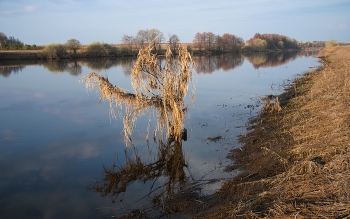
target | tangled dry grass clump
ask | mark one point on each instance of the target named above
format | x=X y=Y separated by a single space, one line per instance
x=158 y=85
x=162 y=85
x=295 y=160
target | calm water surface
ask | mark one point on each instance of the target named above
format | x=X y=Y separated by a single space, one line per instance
x=56 y=138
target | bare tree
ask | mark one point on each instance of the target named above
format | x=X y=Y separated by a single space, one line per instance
x=73 y=45
x=198 y=41
x=174 y=41
x=128 y=41
x=155 y=36
x=145 y=37
x=210 y=39
x=141 y=38
x=219 y=42
x=3 y=39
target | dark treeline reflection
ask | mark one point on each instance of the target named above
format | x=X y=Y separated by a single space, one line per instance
x=7 y=70
x=204 y=64
x=106 y=63
x=209 y=64
x=73 y=67
x=271 y=59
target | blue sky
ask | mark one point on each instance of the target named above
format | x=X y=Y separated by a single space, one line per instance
x=42 y=22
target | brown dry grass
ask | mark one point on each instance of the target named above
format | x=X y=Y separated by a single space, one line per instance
x=295 y=161
x=20 y=51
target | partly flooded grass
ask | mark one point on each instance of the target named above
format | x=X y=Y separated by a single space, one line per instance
x=295 y=160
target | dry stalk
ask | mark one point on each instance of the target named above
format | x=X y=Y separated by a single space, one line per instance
x=158 y=86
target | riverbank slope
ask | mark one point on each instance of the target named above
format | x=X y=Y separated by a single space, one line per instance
x=295 y=160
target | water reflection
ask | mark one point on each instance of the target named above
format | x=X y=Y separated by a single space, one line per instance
x=160 y=87
x=73 y=67
x=106 y=63
x=204 y=64
x=271 y=59
x=169 y=165
x=61 y=66
x=6 y=71
x=209 y=64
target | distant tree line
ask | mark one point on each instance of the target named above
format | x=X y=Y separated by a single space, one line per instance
x=144 y=37
x=312 y=45
x=12 y=43
x=209 y=42
x=203 y=43
x=7 y=42
x=261 y=42
x=73 y=48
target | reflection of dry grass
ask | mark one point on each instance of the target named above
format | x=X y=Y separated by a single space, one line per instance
x=155 y=85
x=295 y=160
x=169 y=163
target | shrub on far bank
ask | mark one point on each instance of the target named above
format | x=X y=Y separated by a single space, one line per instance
x=331 y=43
x=97 y=49
x=54 y=51
x=189 y=49
x=32 y=47
x=124 y=49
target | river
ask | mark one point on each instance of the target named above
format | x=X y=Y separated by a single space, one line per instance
x=62 y=151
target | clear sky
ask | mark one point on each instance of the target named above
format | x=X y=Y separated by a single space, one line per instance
x=45 y=21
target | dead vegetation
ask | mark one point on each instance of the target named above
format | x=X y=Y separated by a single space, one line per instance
x=163 y=86
x=156 y=85
x=295 y=161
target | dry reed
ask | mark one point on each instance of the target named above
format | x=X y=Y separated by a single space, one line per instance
x=159 y=86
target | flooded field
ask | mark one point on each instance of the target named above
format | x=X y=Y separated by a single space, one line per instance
x=64 y=154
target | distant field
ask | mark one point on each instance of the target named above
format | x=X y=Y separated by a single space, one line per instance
x=20 y=51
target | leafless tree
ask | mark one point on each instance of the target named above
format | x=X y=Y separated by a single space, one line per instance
x=141 y=38
x=210 y=39
x=129 y=41
x=198 y=40
x=3 y=39
x=73 y=45
x=174 y=41
x=144 y=37
x=155 y=36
